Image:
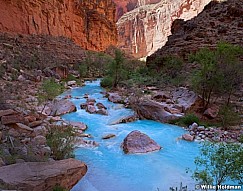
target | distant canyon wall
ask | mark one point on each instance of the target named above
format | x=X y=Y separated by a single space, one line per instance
x=90 y=24
x=144 y=25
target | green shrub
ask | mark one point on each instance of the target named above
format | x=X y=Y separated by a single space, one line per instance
x=186 y=120
x=49 y=90
x=59 y=188
x=107 y=82
x=61 y=139
x=83 y=70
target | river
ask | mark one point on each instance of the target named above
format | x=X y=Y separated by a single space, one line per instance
x=109 y=169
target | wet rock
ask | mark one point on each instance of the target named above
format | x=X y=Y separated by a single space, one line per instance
x=42 y=176
x=83 y=105
x=91 y=109
x=108 y=136
x=72 y=83
x=61 y=107
x=90 y=100
x=127 y=119
x=149 y=109
x=100 y=106
x=188 y=137
x=115 y=98
x=193 y=126
x=137 y=142
x=78 y=125
x=102 y=111
x=201 y=128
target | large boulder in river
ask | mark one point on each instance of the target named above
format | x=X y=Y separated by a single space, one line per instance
x=42 y=176
x=61 y=107
x=137 y=142
x=149 y=109
x=115 y=98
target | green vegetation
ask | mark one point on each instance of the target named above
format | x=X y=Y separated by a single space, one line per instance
x=219 y=71
x=116 y=71
x=219 y=163
x=186 y=120
x=59 y=188
x=49 y=90
x=61 y=141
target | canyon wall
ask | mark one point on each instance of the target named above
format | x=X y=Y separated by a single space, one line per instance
x=146 y=24
x=216 y=23
x=90 y=24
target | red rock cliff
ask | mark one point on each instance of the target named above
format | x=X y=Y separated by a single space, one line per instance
x=91 y=24
x=147 y=23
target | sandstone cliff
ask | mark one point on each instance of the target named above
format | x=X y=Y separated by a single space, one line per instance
x=218 y=22
x=147 y=23
x=91 y=24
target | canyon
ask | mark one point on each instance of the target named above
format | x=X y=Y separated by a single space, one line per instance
x=219 y=21
x=90 y=24
x=144 y=25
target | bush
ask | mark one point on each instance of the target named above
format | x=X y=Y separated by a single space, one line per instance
x=107 y=82
x=187 y=120
x=59 y=188
x=50 y=89
x=61 y=139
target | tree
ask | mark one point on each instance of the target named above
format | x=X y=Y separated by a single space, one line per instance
x=219 y=163
x=116 y=71
x=219 y=71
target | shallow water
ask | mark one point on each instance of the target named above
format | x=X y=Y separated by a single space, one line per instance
x=109 y=169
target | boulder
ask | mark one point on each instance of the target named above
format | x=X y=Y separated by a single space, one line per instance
x=108 y=136
x=42 y=176
x=126 y=119
x=185 y=97
x=115 y=98
x=61 y=107
x=91 y=109
x=188 y=137
x=149 y=109
x=7 y=112
x=100 y=106
x=90 y=100
x=102 y=111
x=9 y=119
x=211 y=112
x=137 y=142
x=72 y=83
x=78 y=125
x=83 y=105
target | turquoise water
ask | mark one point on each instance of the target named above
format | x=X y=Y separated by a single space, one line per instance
x=109 y=169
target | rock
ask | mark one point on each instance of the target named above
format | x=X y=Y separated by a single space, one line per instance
x=100 y=106
x=7 y=112
x=23 y=127
x=40 y=130
x=21 y=78
x=9 y=119
x=61 y=107
x=201 y=128
x=102 y=111
x=39 y=140
x=115 y=98
x=68 y=97
x=83 y=105
x=78 y=125
x=108 y=136
x=72 y=83
x=86 y=96
x=42 y=176
x=35 y=124
x=193 y=126
x=211 y=112
x=91 y=109
x=127 y=119
x=149 y=109
x=137 y=142
x=2 y=163
x=90 y=100
x=185 y=97
x=161 y=97
x=188 y=137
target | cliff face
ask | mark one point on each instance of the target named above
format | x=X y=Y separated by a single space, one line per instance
x=146 y=27
x=218 y=22
x=91 y=24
